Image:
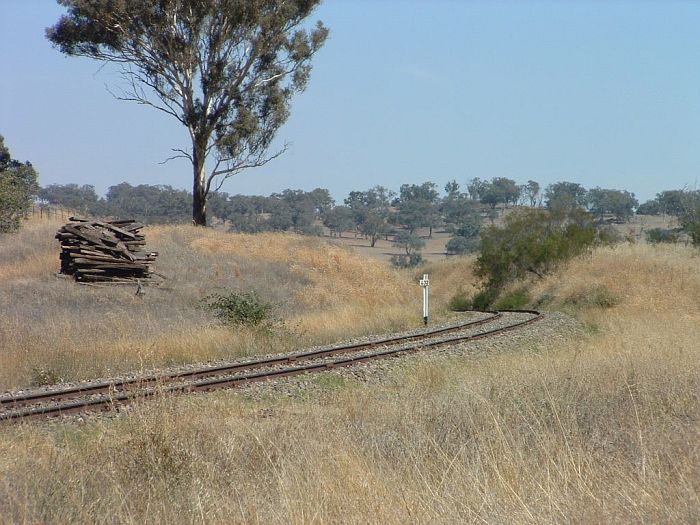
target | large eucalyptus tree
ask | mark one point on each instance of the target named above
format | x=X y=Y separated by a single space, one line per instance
x=225 y=69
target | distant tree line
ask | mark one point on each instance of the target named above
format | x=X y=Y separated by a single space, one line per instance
x=148 y=203
x=683 y=204
x=379 y=212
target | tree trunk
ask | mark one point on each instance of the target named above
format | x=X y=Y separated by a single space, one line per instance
x=199 y=196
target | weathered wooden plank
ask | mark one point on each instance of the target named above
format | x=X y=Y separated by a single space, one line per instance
x=80 y=232
x=110 y=263
x=89 y=257
x=115 y=229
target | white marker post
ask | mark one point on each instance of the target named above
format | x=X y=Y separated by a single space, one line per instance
x=425 y=283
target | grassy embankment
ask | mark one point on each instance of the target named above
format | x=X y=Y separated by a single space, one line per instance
x=52 y=329
x=600 y=429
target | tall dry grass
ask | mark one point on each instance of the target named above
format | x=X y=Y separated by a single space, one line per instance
x=600 y=429
x=52 y=329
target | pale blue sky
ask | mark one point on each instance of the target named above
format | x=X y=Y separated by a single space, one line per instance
x=604 y=93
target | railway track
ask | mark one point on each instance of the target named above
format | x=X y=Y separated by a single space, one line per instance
x=111 y=394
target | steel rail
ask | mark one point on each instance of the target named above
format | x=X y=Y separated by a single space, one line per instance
x=111 y=386
x=111 y=397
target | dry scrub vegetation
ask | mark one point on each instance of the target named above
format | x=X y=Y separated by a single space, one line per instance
x=600 y=429
x=52 y=329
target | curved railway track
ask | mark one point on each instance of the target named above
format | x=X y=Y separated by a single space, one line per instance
x=110 y=394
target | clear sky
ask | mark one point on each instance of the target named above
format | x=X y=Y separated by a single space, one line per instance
x=604 y=93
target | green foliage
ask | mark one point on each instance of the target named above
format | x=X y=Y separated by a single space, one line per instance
x=459 y=245
x=484 y=298
x=675 y=202
x=225 y=69
x=407 y=260
x=18 y=186
x=371 y=211
x=661 y=235
x=561 y=197
x=465 y=233
x=460 y=302
x=82 y=199
x=159 y=204
x=409 y=242
x=339 y=219
x=650 y=207
x=531 y=191
x=238 y=308
x=45 y=376
x=460 y=212
x=618 y=203
x=514 y=300
x=531 y=241
x=692 y=228
x=417 y=206
x=296 y=210
x=684 y=204
x=500 y=190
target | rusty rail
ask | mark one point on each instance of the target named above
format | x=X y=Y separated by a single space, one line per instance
x=107 y=395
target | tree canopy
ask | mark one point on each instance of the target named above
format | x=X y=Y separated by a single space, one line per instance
x=561 y=197
x=224 y=69
x=618 y=203
x=18 y=186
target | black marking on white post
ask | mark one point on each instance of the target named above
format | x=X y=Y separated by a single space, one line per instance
x=425 y=283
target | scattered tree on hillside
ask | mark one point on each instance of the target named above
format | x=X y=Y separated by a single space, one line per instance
x=531 y=191
x=476 y=188
x=412 y=245
x=452 y=188
x=618 y=203
x=225 y=69
x=18 y=186
x=456 y=208
x=245 y=213
x=465 y=235
x=650 y=207
x=371 y=211
x=338 y=220
x=562 y=197
x=83 y=198
x=417 y=206
x=683 y=204
x=677 y=202
x=409 y=242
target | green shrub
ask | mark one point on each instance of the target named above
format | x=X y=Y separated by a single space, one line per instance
x=659 y=235
x=461 y=245
x=460 y=302
x=484 y=299
x=238 y=308
x=406 y=260
x=693 y=230
x=45 y=376
x=532 y=242
x=514 y=300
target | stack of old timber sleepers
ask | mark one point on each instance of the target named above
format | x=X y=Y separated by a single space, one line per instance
x=104 y=252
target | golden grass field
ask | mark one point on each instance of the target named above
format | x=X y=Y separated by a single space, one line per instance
x=600 y=428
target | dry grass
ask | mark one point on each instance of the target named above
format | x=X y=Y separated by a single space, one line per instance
x=603 y=429
x=53 y=329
